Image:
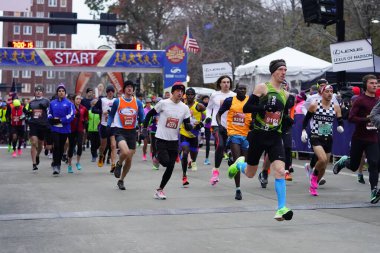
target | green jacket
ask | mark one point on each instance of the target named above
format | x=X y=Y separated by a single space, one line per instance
x=93 y=121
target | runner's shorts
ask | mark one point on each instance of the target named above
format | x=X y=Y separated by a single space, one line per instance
x=260 y=141
x=239 y=140
x=42 y=133
x=324 y=141
x=127 y=135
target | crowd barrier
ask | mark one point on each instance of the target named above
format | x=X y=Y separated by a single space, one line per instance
x=341 y=141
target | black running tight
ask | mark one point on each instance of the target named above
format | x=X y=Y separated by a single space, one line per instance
x=167 y=152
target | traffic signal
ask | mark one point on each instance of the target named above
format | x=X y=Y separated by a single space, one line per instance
x=322 y=12
x=133 y=46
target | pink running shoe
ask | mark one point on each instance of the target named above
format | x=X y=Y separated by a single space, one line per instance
x=144 y=157
x=313 y=185
x=14 y=154
x=215 y=177
x=20 y=152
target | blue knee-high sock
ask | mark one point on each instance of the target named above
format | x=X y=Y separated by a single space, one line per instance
x=280 y=186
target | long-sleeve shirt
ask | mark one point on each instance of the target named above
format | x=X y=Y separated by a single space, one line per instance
x=80 y=117
x=361 y=109
x=64 y=110
x=216 y=100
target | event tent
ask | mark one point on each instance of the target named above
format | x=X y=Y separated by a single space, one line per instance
x=301 y=67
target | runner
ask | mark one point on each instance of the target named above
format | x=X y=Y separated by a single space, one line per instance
x=16 y=117
x=323 y=114
x=126 y=114
x=148 y=106
x=39 y=125
x=93 y=131
x=216 y=100
x=238 y=125
x=189 y=139
x=60 y=115
x=150 y=130
x=268 y=101
x=173 y=113
x=207 y=131
x=364 y=137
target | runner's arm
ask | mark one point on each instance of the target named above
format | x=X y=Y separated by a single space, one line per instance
x=140 y=112
x=223 y=108
x=148 y=117
x=112 y=113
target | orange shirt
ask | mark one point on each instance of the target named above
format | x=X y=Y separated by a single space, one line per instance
x=238 y=122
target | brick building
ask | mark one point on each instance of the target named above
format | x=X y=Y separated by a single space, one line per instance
x=39 y=34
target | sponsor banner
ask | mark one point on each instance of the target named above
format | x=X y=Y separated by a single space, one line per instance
x=81 y=58
x=175 y=65
x=351 y=55
x=212 y=71
x=82 y=80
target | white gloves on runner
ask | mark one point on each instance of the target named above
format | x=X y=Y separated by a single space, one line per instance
x=340 y=129
x=304 y=136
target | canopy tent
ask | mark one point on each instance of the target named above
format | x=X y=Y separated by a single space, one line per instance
x=301 y=67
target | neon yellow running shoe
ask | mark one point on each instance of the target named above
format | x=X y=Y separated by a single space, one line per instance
x=283 y=214
x=233 y=169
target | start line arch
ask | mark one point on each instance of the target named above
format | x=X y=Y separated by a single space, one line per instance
x=171 y=62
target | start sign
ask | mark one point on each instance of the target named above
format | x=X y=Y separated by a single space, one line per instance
x=75 y=57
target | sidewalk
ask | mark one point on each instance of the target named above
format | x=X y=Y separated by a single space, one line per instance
x=86 y=212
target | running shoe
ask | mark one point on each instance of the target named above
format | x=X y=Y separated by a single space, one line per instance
x=120 y=184
x=93 y=159
x=56 y=170
x=226 y=156
x=340 y=164
x=375 y=196
x=69 y=169
x=144 y=157
x=35 y=167
x=9 y=148
x=322 y=181
x=263 y=180
x=178 y=159
x=291 y=170
x=155 y=167
x=283 y=214
x=14 y=154
x=288 y=176
x=236 y=167
x=101 y=161
x=37 y=160
x=159 y=194
x=238 y=195
x=215 y=177
x=185 y=182
x=50 y=156
x=313 y=185
x=361 y=179
x=308 y=170
x=79 y=167
x=194 y=166
x=117 y=170
x=19 y=152
x=207 y=162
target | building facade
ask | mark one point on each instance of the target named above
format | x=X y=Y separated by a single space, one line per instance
x=39 y=34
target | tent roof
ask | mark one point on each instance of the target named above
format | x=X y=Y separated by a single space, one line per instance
x=298 y=63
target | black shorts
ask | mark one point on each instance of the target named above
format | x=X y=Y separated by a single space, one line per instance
x=18 y=130
x=260 y=141
x=190 y=142
x=42 y=132
x=324 y=141
x=127 y=135
x=103 y=131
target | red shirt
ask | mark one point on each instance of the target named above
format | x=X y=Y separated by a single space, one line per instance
x=80 y=117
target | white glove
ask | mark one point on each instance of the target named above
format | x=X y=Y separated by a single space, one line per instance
x=304 y=136
x=340 y=129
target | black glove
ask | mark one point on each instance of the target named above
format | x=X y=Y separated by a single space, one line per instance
x=144 y=132
x=199 y=126
x=270 y=108
x=222 y=130
x=207 y=120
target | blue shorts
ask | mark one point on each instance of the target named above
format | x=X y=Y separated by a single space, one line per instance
x=240 y=140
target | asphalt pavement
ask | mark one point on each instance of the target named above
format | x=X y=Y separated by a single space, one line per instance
x=86 y=212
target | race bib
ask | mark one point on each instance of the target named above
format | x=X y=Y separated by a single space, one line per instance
x=324 y=129
x=16 y=118
x=272 y=118
x=129 y=120
x=370 y=126
x=238 y=119
x=172 y=123
x=37 y=113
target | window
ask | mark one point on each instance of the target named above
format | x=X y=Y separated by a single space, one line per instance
x=40 y=14
x=16 y=29
x=50 y=74
x=27 y=30
x=62 y=44
x=15 y=73
x=25 y=88
x=38 y=72
x=51 y=34
x=63 y=3
x=40 y=1
x=26 y=74
x=52 y=3
x=28 y=14
x=51 y=44
x=39 y=29
x=61 y=75
x=39 y=43
x=50 y=88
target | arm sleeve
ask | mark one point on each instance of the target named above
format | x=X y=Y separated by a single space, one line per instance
x=289 y=103
x=112 y=113
x=252 y=105
x=225 y=106
x=308 y=116
x=148 y=116
x=97 y=109
x=140 y=112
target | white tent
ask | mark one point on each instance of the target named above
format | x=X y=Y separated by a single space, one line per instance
x=301 y=67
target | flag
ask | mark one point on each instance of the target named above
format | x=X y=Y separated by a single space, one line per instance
x=12 y=93
x=189 y=43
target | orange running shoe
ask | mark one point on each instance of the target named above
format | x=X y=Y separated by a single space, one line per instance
x=101 y=161
x=288 y=176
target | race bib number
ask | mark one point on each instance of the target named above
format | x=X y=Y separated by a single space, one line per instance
x=129 y=120
x=172 y=123
x=272 y=118
x=37 y=113
x=238 y=119
x=324 y=129
x=16 y=118
x=370 y=126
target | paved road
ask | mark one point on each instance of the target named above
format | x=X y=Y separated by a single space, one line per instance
x=85 y=212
